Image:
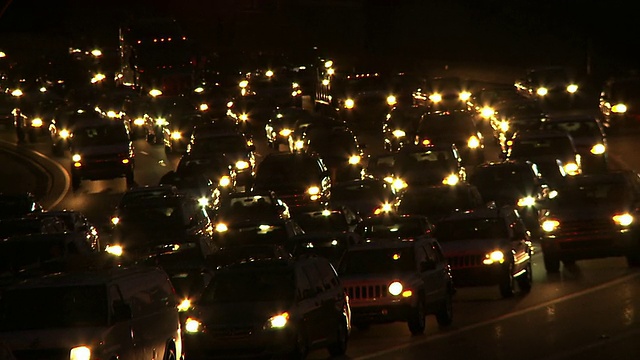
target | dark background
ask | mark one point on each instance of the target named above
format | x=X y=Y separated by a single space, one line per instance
x=595 y=37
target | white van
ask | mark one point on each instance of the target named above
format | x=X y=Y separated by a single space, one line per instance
x=115 y=313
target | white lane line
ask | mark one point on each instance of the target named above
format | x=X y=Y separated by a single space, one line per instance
x=501 y=318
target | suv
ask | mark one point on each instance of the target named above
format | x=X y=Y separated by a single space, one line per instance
x=270 y=307
x=301 y=180
x=101 y=149
x=487 y=246
x=390 y=280
x=100 y=313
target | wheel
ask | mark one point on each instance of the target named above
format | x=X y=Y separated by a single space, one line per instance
x=129 y=179
x=507 y=282
x=551 y=262
x=417 y=320
x=339 y=347
x=444 y=316
x=525 y=279
x=75 y=182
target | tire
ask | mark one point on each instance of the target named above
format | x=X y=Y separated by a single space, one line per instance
x=525 y=279
x=551 y=262
x=129 y=179
x=444 y=316
x=339 y=347
x=507 y=282
x=75 y=182
x=417 y=320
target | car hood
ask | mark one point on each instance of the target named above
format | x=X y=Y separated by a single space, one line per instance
x=58 y=338
x=586 y=212
x=471 y=246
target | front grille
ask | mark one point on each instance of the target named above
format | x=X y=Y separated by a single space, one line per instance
x=227 y=332
x=465 y=261
x=585 y=226
x=365 y=292
x=585 y=244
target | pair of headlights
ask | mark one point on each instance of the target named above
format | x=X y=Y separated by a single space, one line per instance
x=623 y=220
x=279 y=321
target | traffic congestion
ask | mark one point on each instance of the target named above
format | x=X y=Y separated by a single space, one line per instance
x=296 y=207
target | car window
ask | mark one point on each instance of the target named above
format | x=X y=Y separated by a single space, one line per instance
x=466 y=229
x=249 y=286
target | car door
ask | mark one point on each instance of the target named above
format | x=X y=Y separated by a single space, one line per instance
x=432 y=274
x=309 y=286
x=520 y=245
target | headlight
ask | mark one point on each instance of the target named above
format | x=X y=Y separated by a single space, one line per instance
x=64 y=133
x=572 y=88
x=244 y=117
x=80 y=353
x=391 y=100
x=138 y=122
x=395 y=288
x=399 y=133
x=184 y=305
x=354 y=159
x=504 y=126
x=313 y=190
x=550 y=225
x=198 y=90
x=285 y=132
x=598 y=149
x=526 y=201
x=619 y=108
x=203 y=201
x=37 y=122
x=155 y=92
x=623 y=219
x=436 y=98
x=493 y=257
x=192 y=325
x=542 y=91
x=16 y=93
x=76 y=158
x=221 y=227
x=349 y=103
x=464 y=96
x=473 y=142
x=243 y=84
x=571 y=168
x=298 y=145
x=176 y=135
x=241 y=165
x=204 y=107
x=115 y=220
x=111 y=114
x=452 y=179
x=161 y=122
x=115 y=250
x=384 y=208
x=225 y=181
x=278 y=321
x=487 y=112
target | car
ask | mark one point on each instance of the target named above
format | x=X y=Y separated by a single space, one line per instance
x=364 y=196
x=212 y=166
x=256 y=231
x=618 y=103
x=60 y=127
x=155 y=224
x=177 y=132
x=196 y=184
x=267 y=308
x=400 y=125
x=75 y=222
x=546 y=149
x=553 y=84
x=588 y=134
x=231 y=146
x=515 y=183
x=159 y=111
x=101 y=148
x=241 y=253
x=101 y=303
x=593 y=216
x=488 y=100
x=301 y=180
x=488 y=246
x=329 y=244
x=339 y=149
x=281 y=125
x=18 y=204
x=251 y=205
x=444 y=93
x=438 y=201
x=452 y=127
x=419 y=165
x=331 y=219
x=393 y=226
x=398 y=281
x=140 y=193
x=515 y=116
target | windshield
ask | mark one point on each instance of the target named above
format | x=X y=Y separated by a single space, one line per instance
x=614 y=193
x=456 y=230
x=107 y=134
x=261 y=285
x=54 y=307
x=402 y=229
x=574 y=128
x=219 y=144
x=525 y=148
x=496 y=178
x=377 y=261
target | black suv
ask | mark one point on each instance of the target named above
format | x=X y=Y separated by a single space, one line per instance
x=270 y=307
x=389 y=281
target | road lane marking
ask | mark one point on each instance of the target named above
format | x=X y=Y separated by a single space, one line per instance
x=510 y=315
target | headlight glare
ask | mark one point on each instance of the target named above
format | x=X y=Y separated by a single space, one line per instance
x=550 y=225
x=598 y=149
x=623 y=219
x=395 y=288
x=542 y=91
x=80 y=353
x=619 y=108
